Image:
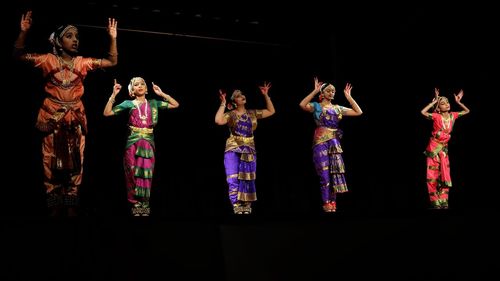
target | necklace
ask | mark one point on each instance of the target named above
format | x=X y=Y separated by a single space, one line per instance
x=145 y=116
x=446 y=121
x=66 y=70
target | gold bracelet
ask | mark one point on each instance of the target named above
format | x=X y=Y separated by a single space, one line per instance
x=222 y=105
x=112 y=100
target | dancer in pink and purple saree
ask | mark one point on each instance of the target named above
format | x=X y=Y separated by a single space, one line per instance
x=327 y=152
x=139 y=158
x=438 y=163
x=240 y=157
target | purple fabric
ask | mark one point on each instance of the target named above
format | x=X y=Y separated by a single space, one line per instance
x=328 y=119
x=241 y=161
x=327 y=154
x=243 y=126
x=239 y=189
x=329 y=167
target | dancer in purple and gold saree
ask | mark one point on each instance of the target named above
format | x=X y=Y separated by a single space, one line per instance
x=327 y=152
x=139 y=158
x=62 y=117
x=438 y=163
x=240 y=157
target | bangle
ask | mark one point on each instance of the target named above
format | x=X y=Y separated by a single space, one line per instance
x=112 y=100
x=222 y=105
x=112 y=54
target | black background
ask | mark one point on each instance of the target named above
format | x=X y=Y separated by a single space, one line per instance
x=394 y=56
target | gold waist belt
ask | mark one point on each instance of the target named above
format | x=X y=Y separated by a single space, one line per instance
x=240 y=139
x=141 y=130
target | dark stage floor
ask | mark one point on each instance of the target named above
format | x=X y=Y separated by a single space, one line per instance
x=429 y=245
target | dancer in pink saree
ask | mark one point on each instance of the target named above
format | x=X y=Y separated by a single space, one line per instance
x=438 y=163
x=139 y=158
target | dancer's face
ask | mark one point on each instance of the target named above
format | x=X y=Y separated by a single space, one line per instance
x=70 y=41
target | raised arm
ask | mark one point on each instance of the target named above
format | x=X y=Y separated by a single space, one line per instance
x=458 y=98
x=112 y=58
x=269 y=111
x=305 y=103
x=425 y=110
x=219 y=115
x=19 y=45
x=172 y=102
x=355 y=110
x=108 y=109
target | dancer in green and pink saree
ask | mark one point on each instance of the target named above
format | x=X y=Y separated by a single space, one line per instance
x=139 y=158
x=327 y=152
x=62 y=118
x=438 y=163
x=240 y=157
